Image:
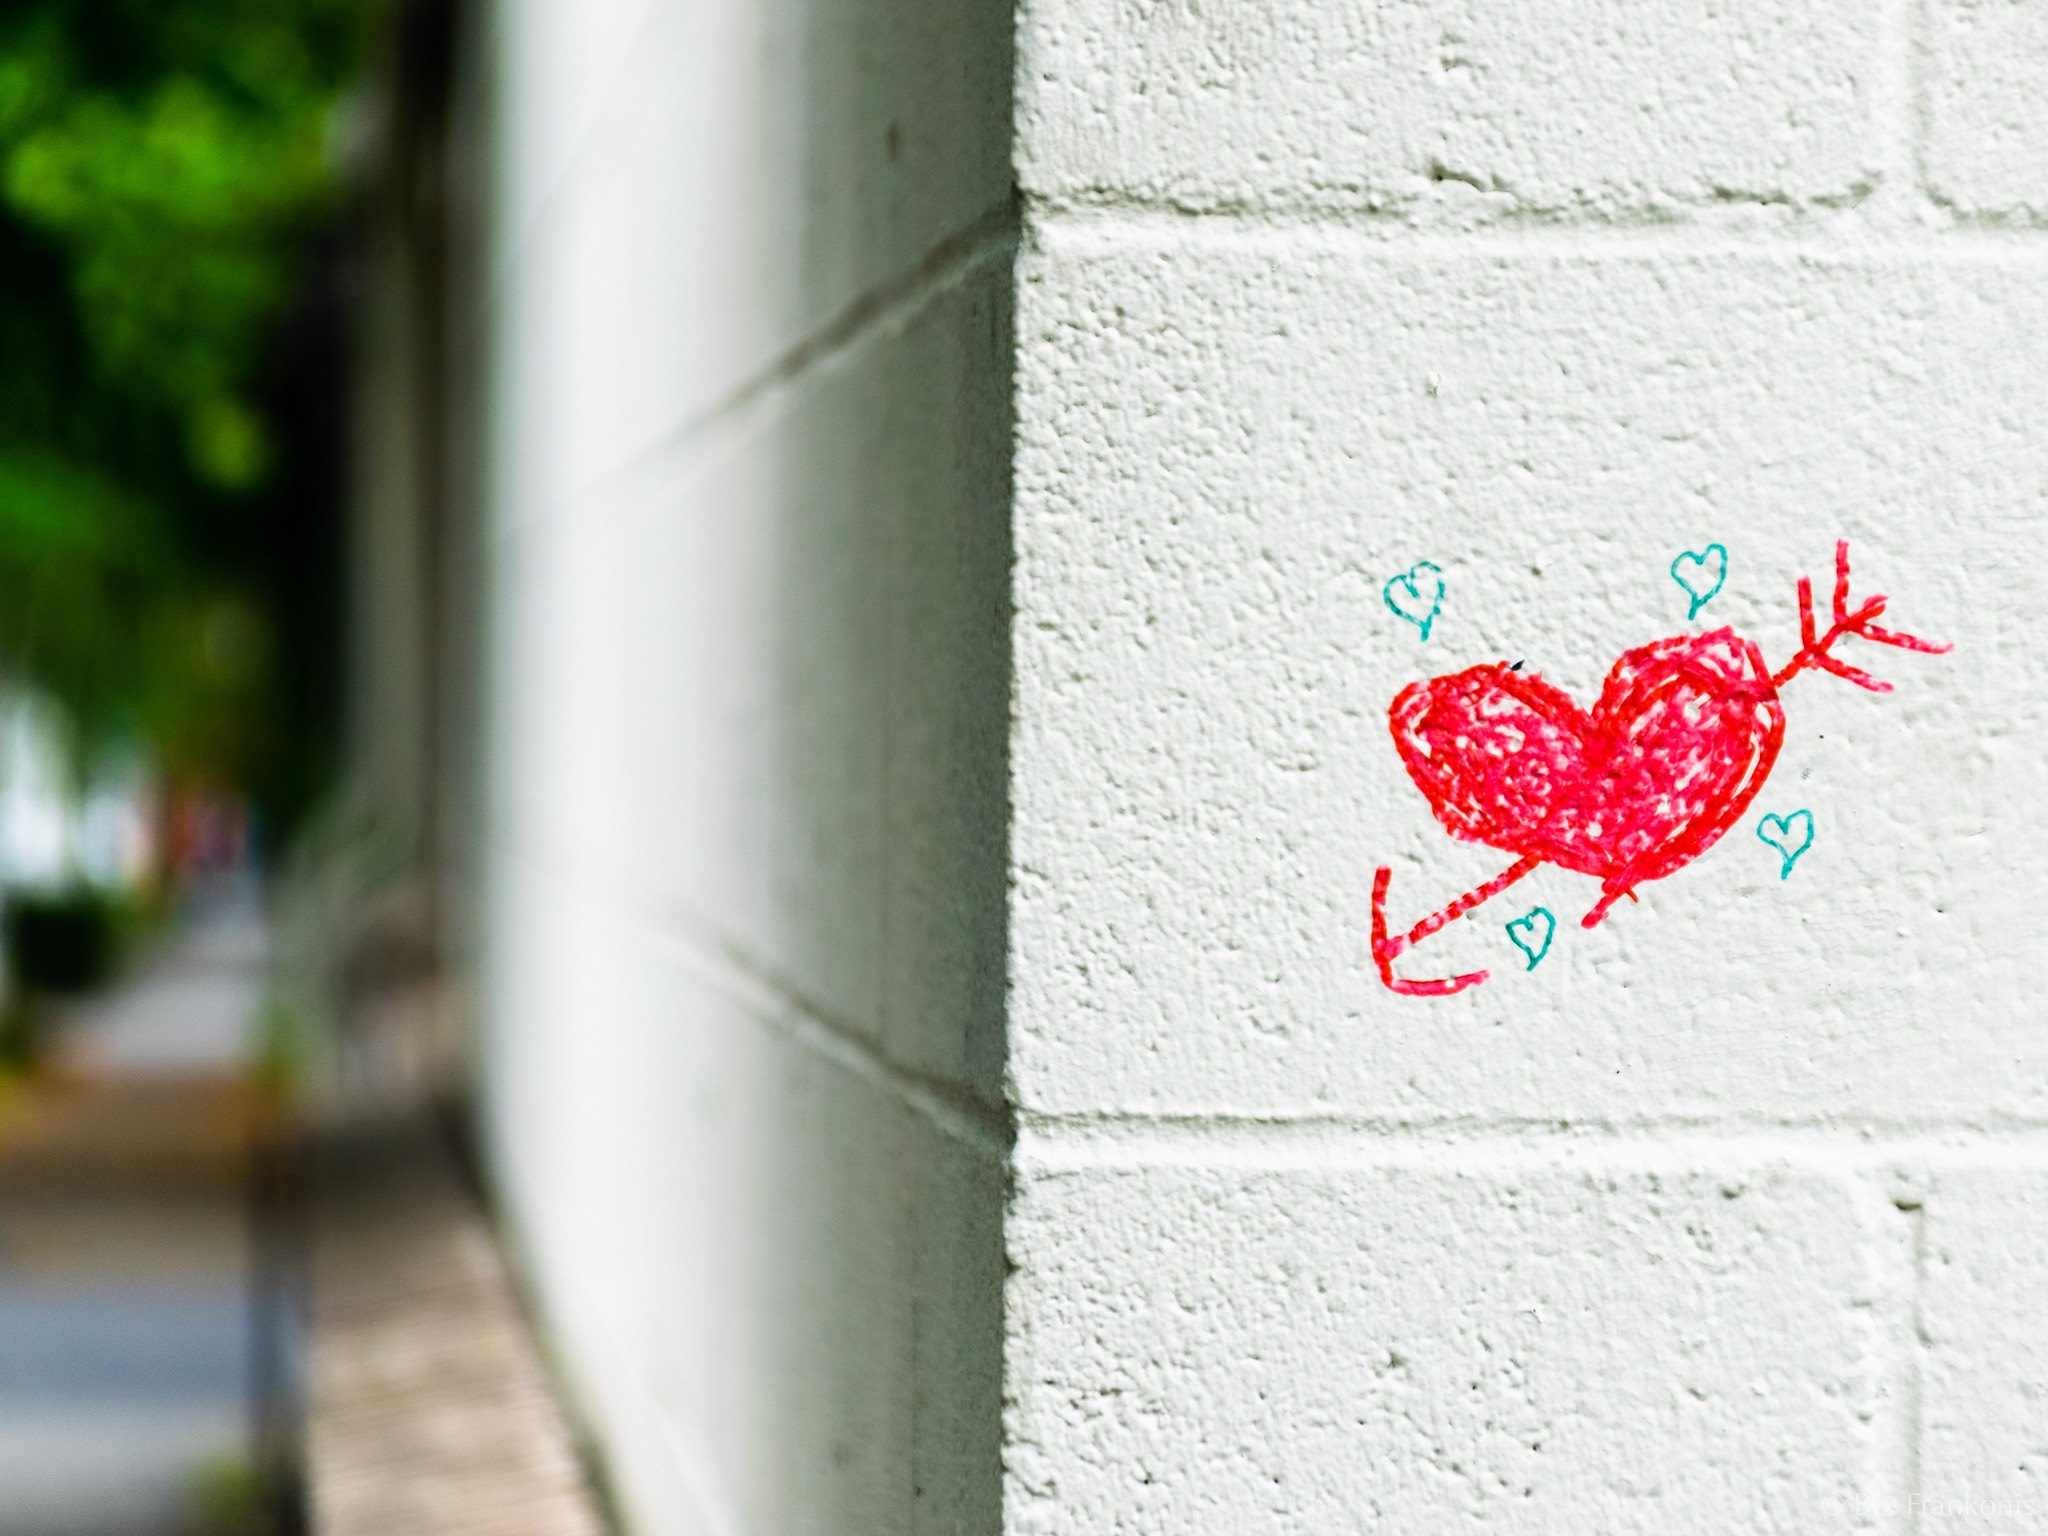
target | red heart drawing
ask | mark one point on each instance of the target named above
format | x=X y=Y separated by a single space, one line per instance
x=1682 y=738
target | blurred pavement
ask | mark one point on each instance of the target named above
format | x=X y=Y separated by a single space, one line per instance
x=124 y=1319
x=192 y=1005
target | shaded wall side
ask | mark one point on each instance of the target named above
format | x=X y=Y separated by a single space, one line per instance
x=749 y=330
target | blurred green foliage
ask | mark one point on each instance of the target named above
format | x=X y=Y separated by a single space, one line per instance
x=163 y=171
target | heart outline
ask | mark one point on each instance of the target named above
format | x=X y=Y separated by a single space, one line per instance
x=1407 y=579
x=1527 y=921
x=1779 y=843
x=1699 y=599
x=1680 y=741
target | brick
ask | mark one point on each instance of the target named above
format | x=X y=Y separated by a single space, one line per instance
x=1983 y=1458
x=1433 y=1349
x=1551 y=107
x=754 y=171
x=1987 y=144
x=816 y=781
x=1228 y=446
x=776 y=1281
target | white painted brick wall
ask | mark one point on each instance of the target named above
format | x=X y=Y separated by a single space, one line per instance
x=1467 y=1341
x=818 y=869
x=1987 y=137
x=1980 y=1247
x=1727 y=1216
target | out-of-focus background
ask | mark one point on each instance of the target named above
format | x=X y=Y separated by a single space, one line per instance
x=693 y=755
x=203 y=216
x=503 y=712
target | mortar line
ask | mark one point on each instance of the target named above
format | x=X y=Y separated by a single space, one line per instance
x=1843 y=239
x=1889 y=1205
x=1912 y=1367
x=943 y=263
x=879 y=310
x=1891 y=110
x=1917 y=69
x=1293 y=1143
x=767 y=997
x=949 y=1109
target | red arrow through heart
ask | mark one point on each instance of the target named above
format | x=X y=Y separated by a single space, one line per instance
x=1682 y=738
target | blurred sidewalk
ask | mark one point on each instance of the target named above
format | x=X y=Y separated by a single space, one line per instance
x=125 y=1324
x=192 y=1006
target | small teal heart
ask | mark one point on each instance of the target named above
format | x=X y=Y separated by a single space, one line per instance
x=1417 y=595
x=1701 y=574
x=1790 y=835
x=1531 y=934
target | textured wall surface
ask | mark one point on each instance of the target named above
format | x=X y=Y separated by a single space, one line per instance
x=941 y=690
x=750 y=337
x=1728 y=1215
